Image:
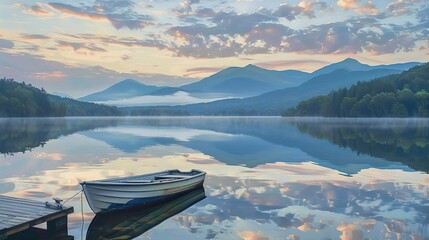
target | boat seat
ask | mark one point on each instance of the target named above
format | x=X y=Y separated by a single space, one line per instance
x=172 y=176
x=136 y=181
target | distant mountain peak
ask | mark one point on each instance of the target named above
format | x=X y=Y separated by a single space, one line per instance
x=349 y=64
x=129 y=80
x=124 y=89
x=350 y=60
x=251 y=66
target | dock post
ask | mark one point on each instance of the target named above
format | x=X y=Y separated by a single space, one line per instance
x=58 y=227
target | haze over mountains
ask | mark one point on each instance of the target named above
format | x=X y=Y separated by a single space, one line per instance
x=230 y=82
x=125 y=89
x=251 y=88
x=274 y=102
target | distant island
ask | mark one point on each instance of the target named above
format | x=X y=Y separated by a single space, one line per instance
x=398 y=95
x=23 y=100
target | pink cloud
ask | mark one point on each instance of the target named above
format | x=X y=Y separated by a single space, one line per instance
x=76 y=12
x=36 y=9
x=249 y=235
x=367 y=8
x=347 y=4
x=49 y=75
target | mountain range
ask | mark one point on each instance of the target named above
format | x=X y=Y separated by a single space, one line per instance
x=230 y=82
x=248 y=80
x=125 y=89
x=274 y=102
x=250 y=88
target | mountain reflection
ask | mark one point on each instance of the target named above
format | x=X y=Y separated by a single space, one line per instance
x=405 y=141
x=267 y=178
x=24 y=134
x=129 y=224
x=356 y=144
x=255 y=141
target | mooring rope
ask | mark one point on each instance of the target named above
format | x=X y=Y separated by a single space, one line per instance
x=81 y=212
x=81 y=208
x=73 y=196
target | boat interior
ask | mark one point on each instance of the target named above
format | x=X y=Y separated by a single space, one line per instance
x=166 y=176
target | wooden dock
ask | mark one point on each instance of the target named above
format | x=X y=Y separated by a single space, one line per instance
x=18 y=215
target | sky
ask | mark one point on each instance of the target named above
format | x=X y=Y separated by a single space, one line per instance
x=80 y=47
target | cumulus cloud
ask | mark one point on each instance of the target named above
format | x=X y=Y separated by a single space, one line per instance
x=291 y=12
x=185 y=7
x=36 y=9
x=308 y=7
x=347 y=4
x=284 y=10
x=216 y=31
x=367 y=8
x=228 y=34
x=401 y=7
x=232 y=34
x=249 y=235
x=232 y=23
x=119 y=13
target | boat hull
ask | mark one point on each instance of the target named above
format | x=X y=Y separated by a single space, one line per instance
x=105 y=197
x=131 y=223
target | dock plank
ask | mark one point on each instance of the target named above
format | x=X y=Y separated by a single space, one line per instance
x=17 y=214
x=28 y=208
x=23 y=206
x=24 y=201
x=25 y=213
x=14 y=199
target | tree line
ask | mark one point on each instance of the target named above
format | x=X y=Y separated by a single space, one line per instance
x=18 y=99
x=399 y=95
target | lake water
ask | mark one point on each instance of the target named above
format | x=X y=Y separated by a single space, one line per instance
x=268 y=178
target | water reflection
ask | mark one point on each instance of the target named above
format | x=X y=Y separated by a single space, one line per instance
x=24 y=134
x=405 y=141
x=248 y=142
x=129 y=224
x=268 y=178
x=236 y=141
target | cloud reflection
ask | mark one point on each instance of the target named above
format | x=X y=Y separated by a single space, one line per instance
x=271 y=200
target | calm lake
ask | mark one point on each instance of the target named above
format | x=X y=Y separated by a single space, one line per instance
x=268 y=178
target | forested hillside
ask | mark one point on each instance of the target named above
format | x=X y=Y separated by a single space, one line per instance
x=399 y=95
x=23 y=100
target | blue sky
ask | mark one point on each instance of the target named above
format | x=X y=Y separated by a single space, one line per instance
x=78 y=47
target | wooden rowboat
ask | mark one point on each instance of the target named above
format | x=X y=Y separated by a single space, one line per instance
x=119 y=193
x=133 y=222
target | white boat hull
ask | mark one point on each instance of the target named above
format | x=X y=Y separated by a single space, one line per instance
x=105 y=196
